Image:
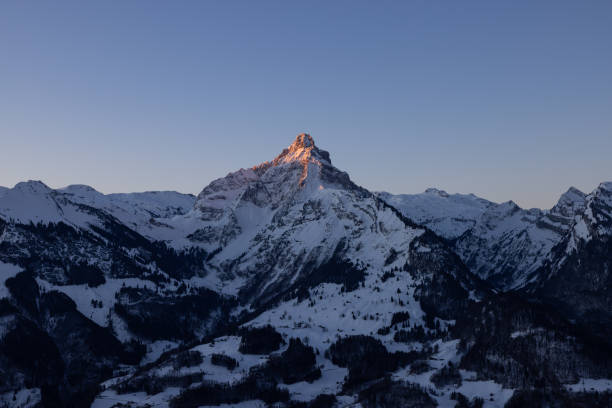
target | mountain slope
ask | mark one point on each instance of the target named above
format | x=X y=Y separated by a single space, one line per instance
x=448 y=215
x=80 y=286
x=317 y=257
x=33 y=201
x=578 y=274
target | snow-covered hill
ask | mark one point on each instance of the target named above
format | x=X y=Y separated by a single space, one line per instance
x=31 y=201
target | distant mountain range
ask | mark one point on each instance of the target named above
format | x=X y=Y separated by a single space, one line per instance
x=501 y=243
x=286 y=284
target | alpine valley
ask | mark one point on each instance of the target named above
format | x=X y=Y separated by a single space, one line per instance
x=288 y=285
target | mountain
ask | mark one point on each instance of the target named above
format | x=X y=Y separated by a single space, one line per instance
x=502 y=243
x=272 y=227
x=82 y=287
x=338 y=290
x=572 y=202
x=577 y=276
x=286 y=284
x=136 y=210
x=448 y=215
x=254 y=238
x=33 y=201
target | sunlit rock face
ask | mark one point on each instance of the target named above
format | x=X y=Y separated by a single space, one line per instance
x=300 y=166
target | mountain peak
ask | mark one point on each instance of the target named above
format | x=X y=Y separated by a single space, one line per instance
x=79 y=188
x=302 y=150
x=570 y=202
x=32 y=187
x=300 y=168
x=574 y=190
x=435 y=191
x=302 y=141
x=606 y=185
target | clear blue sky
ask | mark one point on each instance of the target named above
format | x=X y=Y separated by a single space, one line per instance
x=506 y=99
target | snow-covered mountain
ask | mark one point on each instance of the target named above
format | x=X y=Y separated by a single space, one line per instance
x=273 y=225
x=287 y=284
x=448 y=215
x=501 y=243
x=263 y=235
x=577 y=276
x=571 y=203
x=33 y=201
x=79 y=284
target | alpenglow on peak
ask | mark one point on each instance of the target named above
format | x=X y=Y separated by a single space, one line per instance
x=302 y=149
x=302 y=141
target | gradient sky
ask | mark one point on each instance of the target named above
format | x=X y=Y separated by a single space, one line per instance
x=505 y=99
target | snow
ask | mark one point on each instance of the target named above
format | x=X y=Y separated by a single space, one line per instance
x=523 y=235
x=30 y=201
x=519 y=333
x=332 y=378
x=268 y=222
x=570 y=203
x=581 y=230
x=83 y=296
x=590 y=384
x=24 y=398
x=244 y=404
x=482 y=227
x=271 y=207
x=223 y=191
x=586 y=224
x=448 y=215
x=33 y=201
x=606 y=185
x=277 y=212
x=527 y=332
x=333 y=311
x=136 y=210
x=331 y=317
x=227 y=345
x=156 y=349
x=109 y=398
x=105 y=293
x=128 y=207
x=494 y=395
x=303 y=149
